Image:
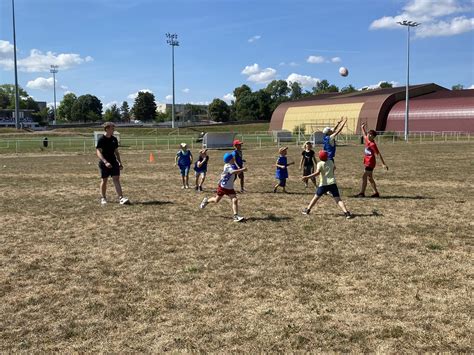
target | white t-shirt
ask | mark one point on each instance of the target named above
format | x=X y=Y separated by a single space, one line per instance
x=227 y=178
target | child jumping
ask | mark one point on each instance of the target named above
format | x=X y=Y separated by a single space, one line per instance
x=370 y=151
x=200 y=167
x=308 y=161
x=327 y=183
x=226 y=186
x=183 y=160
x=329 y=140
x=282 y=169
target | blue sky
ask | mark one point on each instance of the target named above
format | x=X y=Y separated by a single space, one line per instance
x=114 y=48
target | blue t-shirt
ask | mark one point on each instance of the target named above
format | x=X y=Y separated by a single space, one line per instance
x=329 y=145
x=282 y=173
x=237 y=154
x=203 y=167
x=184 y=158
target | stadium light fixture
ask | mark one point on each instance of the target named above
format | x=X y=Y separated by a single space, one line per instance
x=407 y=24
x=173 y=42
x=54 y=70
x=17 y=95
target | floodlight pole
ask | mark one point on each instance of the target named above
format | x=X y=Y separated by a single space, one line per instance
x=17 y=95
x=408 y=24
x=54 y=70
x=173 y=42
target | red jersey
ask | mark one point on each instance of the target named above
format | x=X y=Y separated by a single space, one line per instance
x=369 y=153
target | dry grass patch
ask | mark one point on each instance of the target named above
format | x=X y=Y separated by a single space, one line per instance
x=162 y=275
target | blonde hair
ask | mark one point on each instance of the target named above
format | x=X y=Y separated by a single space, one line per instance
x=107 y=125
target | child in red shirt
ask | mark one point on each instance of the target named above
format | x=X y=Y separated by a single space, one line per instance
x=370 y=151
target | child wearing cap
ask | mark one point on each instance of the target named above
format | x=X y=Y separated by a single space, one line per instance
x=226 y=186
x=282 y=169
x=200 y=167
x=370 y=151
x=327 y=183
x=330 y=134
x=183 y=160
x=308 y=161
x=239 y=162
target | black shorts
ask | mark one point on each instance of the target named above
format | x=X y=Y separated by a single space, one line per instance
x=282 y=182
x=308 y=170
x=368 y=168
x=328 y=188
x=106 y=172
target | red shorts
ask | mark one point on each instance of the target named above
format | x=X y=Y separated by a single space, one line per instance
x=221 y=191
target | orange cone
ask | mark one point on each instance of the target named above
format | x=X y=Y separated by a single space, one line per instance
x=152 y=158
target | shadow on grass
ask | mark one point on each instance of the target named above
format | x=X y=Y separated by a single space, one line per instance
x=153 y=203
x=270 y=217
x=396 y=197
x=287 y=193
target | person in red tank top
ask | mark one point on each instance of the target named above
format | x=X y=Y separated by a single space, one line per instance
x=370 y=152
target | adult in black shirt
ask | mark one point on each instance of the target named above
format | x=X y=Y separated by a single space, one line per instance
x=308 y=161
x=110 y=163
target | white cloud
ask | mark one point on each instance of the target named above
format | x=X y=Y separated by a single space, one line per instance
x=315 y=59
x=432 y=14
x=336 y=60
x=186 y=90
x=40 y=83
x=305 y=81
x=251 y=69
x=264 y=76
x=110 y=104
x=282 y=64
x=471 y=87
x=169 y=97
x=135 y=94
x=228 y=97
x=6 y=49
x=293 y=64
x=377 y=86
x=254 y=38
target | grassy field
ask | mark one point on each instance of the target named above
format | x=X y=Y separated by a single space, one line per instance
x=162 y=275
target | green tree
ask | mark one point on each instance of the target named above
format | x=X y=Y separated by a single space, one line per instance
x=241 y=91
x=144 y=107
x=278 y=91
x=296 y=91
x=65 y=106
x=86 y=108
x=125 y=112
x=457 y=87
x=385 y=85
x=7 y=98
x=246 y=108
x=323 y=87
x=219 y=111
x=264 y=104
x=112 y=114
x=348 y=89
x=4 y=100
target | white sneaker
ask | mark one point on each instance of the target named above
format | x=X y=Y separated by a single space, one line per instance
x=187 y=186
x=203 y=203
x=238 y=218
x=124 y=201
x=183 y=187
x=103 y=201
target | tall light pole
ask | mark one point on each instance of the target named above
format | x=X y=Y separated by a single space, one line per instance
x=408 y=24
x=54 y=70
x=17 y=96
x=173 y=42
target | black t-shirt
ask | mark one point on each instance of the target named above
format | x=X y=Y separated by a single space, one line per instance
x=308 y=158
x=108 y=146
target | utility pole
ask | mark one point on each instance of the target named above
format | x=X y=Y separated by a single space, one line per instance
x=17 y=96
x=173 y=42
x=54 y=70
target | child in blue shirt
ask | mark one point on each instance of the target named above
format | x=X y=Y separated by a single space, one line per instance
x=183 y=160
x=282 y=169
x=200 y=167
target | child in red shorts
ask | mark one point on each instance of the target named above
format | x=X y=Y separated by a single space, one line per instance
x=226 y=186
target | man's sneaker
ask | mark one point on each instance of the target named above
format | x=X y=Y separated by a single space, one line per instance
x=348 y=215
x=238 y=218
x=305 y=211
x=124 y=201
x=203 y=203
x=103 y=201
x=183 y=187
x=375 y=195
x=200 y=188
x=360 y=194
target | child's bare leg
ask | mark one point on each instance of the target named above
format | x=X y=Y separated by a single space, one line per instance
x=364 y=183
x=187 y=180
x=202 y=179
x=341 y=204
x=184 y=181
x=118 y=187
x=197 y=180
x=103 y=187
x=235 y=204
x=313 y=201
x=215 y=199
x=275 y=188
x=372 y=183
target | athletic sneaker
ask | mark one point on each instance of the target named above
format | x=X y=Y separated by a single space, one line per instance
x=183 y=187
x=196 y=188
x=103 y=201
x=203 y=203
x=360 y=194
x=187 y=186
x=348 y=215
x=124 y=201
x=305 y=211
x=200 y=188
x=375 y=195
x=238 y=218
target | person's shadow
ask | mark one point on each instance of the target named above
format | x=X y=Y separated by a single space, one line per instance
x=153 y=203
x=396 y=197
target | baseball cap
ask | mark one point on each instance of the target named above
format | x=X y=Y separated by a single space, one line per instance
x=236 y=142
x=326 y=130
x=282 y=149
x=323 y=155
x=228 y=157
